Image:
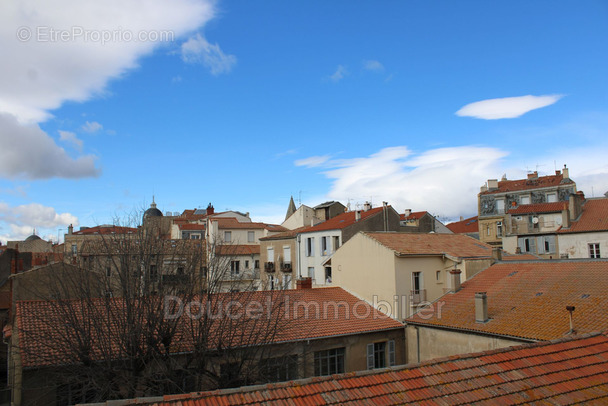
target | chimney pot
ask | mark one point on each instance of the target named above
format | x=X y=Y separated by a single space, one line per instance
x=481 y=307
x=455 y=275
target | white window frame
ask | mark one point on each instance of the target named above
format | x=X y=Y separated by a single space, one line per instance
x=310 y=246
x=500 y=206
x=227 y=236
x=389 y=354
x=594 y=250
x=250 y=236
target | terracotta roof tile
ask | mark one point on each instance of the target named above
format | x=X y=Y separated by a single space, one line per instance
x=564 y=371
x=227 y=223
x=554 y=207
x=593 y=218
x=105 y=230
x=413 y=216
x=342 y=220
x=465 y=226
x=528 y=184
x=518 y=292
x=235 y=249
x=456 y=245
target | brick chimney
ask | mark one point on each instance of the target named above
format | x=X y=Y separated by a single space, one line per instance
x=304 y=283
x=566 y=172
x=492 y=184
x=210 y=209
x=455 y=275
x=70 y=229
x=481 y=307
x=533 y=175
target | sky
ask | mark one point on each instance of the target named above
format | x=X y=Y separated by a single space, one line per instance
x=245 y=103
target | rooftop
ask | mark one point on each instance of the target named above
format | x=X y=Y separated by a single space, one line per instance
x=520 y=291
x=235 y=249
x=554 y=207
x=566 y=371
x=343 y=220
x=456 y=245
x=593 y=218
x=105 y=229
x=233 y=223
x=530 y=183
x=465 y=226
x=413 y=216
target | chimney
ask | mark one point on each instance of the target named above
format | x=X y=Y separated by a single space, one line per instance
x=210 y=209
x=407 y=212
x=304 y=283
x=575 y=205
x=455 y=275
x=571 y=310
x=461 y=218
x=533 y=175
x=496 y=254
x=367 y=206
x=481 y=307
x=70 y=229
x=566 y=216
x=566 y=172
x=357 y=215
x=492 y=184
x=484 y=188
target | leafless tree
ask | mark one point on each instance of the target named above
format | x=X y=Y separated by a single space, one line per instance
x=137 y=314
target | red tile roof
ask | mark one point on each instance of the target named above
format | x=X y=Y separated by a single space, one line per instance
x=519 y=292
x=227 y=223
x=413 y=216
x=237 y=249
x=342 y=220
x=527 y=184
x=284 y=235
x=566 y=371
x=192 y=226
x=307 y=313
x=456 y=245
x=465 y=226
x=554 y=207
x=105 y=230
x=593 y=218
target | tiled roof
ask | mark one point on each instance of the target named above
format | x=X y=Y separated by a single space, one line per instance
x=237 y=249
x=343 y=220
x=465 y=226
x=519 y=257
x=567 y=371
x=284 y=235
x=521 y=292
x=554 y=207
x=233 y=223
x=191 y=226
x=456 y=245
x=528 y=184
x=304 y=314
x=593 y=218
x=105 y=230
x=413 y=216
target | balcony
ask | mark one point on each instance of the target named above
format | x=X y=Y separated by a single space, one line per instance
x=269 y=267
x=286 y=267
x=417 y=296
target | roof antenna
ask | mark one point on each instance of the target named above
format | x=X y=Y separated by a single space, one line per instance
x=571 y=310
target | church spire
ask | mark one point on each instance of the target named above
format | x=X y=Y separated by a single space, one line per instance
x=291 y=209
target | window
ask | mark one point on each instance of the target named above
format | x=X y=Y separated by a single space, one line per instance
x=287 y=254
x=499 y=228
x=438 y=276
x=324 y=246
x=286 y=281
x=234 y=267
x=329 y=362
x=310 y=247
x=227 y=236
x=336 y=243
x=256 y=264
x=488 y=229
x=594 y=250
x=74 y=249
x=311 y=272
x=527 y=245
x=551 y=197
x=246 y=264
x=270 y=254
x=195 y=236
x=250 y=236
x=279 y=369
x=546 y=244
x=328 y=274
x=500 y=206
x=525 y=200
x=377 y=354
x=417 y=281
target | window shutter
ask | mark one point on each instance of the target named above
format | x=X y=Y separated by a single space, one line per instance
x=370 y=356
x=533 y=245
x=391 y=353
x=551 y=244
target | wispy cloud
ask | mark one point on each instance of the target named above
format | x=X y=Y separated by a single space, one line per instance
x=285 y=153
x=198 y=50
x=372 y=65
x=339 y=74
x=312 y=161
x=71 y=138
x=506 y=107
x=91 y=127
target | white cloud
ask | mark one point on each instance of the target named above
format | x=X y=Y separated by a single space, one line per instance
x=312 y=161
x=93 y=44
x=339 y=73
x=443 y=181
x=70 y=138
x=22 y=220
x=373 y=66
x=28 y=152
x=198 y=50
x=91 y=127
x=506 y=107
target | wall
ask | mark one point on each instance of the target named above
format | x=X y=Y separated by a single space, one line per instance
x=437 y=343
x=278 y=246
x=575 y=245
x=317 y=259
x=303 y=217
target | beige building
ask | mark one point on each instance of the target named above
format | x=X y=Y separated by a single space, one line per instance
x=496 y=198
x=512 y=303
x=399 y=272
x=278 y=256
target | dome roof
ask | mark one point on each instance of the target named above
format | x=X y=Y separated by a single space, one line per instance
x=152 y=211
x=33 y=237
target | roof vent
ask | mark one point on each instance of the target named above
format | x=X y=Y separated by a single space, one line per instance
x=571 y=310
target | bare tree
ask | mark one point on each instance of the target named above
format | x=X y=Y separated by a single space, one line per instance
x=142 y=315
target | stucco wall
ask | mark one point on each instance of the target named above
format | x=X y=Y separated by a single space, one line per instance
x=576 y=245
x=437 y=343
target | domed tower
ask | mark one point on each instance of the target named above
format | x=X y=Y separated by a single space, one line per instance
x=152 y=211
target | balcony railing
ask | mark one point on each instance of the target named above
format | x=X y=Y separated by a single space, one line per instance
x=286 y=267
x=418 y=296
x=269 y=266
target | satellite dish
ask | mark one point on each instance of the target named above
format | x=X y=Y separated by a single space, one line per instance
x=535 y=220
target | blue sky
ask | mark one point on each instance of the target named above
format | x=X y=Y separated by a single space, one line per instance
x=249 y=102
